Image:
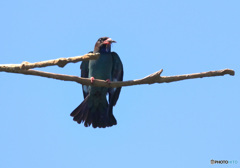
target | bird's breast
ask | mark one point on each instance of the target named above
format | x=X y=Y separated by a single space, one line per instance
x=102 y=67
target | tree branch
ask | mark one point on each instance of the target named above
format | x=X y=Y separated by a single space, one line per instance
x=25 y=68
x=61 y=62
x=150 y=79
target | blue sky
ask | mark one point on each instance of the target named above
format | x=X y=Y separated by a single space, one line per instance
x=180 y=124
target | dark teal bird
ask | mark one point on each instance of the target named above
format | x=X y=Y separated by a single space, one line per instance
x=95 y=110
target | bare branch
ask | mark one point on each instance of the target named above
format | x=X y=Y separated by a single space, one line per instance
x=150 y=79
x=61 y=62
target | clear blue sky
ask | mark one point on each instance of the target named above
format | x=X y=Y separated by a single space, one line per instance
x=181 y=124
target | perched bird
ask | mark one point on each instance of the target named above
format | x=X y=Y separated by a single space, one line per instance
x=95 y=109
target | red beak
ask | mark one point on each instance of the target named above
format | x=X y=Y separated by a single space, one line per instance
x=109 y=41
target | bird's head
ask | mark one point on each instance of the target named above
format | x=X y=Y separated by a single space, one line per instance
x=103 y=45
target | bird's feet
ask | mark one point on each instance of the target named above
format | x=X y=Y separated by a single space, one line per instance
x=108 y=81
x=92 y=79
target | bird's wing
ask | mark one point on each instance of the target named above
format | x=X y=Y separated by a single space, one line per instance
x=84 y=74
x=117 y=75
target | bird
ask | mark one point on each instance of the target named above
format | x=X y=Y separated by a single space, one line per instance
x=95 y=109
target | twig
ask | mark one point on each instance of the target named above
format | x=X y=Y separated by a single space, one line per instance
x=150 y=79
x=61 y=62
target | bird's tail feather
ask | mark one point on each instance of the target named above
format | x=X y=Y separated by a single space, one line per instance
x=110 y=114
x=99 y=115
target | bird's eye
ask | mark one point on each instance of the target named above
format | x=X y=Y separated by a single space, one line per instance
x=100 y=40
